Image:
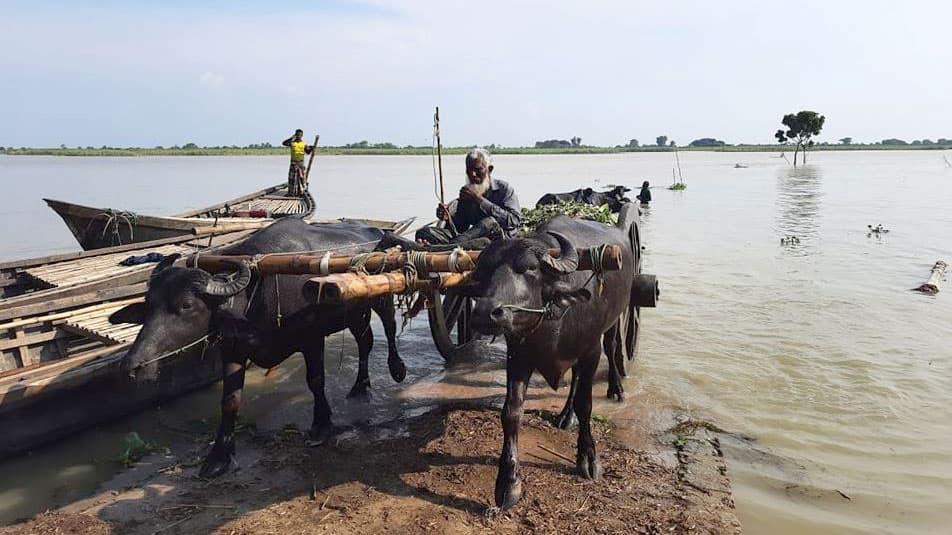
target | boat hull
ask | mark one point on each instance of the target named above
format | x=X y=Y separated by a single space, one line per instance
x=102 y=392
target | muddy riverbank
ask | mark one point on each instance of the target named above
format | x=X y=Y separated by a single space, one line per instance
x=427 y=474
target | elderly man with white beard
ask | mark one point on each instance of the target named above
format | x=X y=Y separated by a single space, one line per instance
x=488 y=208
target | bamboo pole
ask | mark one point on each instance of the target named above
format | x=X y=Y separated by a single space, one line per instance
x=345 y=287
x=205 y=230
x=933 y=285
x=307 y=172
x=301 y=264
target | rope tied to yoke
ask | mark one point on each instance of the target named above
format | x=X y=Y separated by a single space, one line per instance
x=598 y=256
x=547 y=312
x=205 y=340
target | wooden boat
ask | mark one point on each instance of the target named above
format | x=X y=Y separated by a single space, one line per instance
x=95 y=228
x=59 y=355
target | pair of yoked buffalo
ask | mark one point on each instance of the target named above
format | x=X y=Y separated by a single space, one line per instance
x=266 y=319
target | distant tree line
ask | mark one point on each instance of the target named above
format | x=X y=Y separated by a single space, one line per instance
x=559 y=143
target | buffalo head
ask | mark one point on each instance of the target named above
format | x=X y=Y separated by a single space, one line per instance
x=178 y=307
x=517 y=279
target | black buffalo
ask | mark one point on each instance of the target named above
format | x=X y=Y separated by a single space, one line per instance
x=262 y=319
x=614 y=197
x=515 y=280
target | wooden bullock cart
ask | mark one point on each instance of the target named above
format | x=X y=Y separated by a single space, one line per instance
x=437 y=278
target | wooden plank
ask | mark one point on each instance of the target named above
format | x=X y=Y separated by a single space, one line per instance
x=28 y=262
x=95 y=296
x=23 y=341
x=46 y=297
x=42 y=369
x=19 y=337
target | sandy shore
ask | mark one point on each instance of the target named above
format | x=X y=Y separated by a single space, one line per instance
x=433 y=473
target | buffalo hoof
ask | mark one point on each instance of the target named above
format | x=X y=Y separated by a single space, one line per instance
x=319 y=434
x=616 y=394
x=566 y=418
x=218 y=464
x=588 y=466
x=398 y=370
x=508 y=495
x=361 y=390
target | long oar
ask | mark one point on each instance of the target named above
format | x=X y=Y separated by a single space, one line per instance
x=307 y=172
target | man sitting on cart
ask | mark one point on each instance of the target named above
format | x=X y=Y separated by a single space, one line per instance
x=487 y=209
x=296 y=172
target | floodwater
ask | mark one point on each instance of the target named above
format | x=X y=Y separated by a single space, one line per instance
x=817 y=350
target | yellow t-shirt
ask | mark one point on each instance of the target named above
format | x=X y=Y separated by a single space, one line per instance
x=297 y=151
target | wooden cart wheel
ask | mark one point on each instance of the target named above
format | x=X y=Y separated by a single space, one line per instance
x=632 y=326
x=449 y=316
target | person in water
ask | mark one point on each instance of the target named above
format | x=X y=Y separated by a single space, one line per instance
x=488 y=208
x=296 y=172
x=645 y=194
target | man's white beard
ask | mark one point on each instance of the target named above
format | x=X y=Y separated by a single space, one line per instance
x=481 y=187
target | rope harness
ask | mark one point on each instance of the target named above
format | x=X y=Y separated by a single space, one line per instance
x=548 y=310
x=206 y=340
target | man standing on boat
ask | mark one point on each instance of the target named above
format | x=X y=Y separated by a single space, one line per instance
x=487 y=209
x=296 y=173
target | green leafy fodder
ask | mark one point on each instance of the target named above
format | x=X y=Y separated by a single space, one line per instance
x=533 y=217
x=135 y=449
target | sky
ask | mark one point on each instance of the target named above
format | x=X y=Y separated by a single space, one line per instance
x=137 y=73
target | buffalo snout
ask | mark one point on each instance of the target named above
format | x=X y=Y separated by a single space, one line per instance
x=491 y=317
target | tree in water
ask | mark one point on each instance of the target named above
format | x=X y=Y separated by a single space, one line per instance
x=801 y=127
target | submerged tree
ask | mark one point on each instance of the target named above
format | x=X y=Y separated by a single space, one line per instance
x=801 y=127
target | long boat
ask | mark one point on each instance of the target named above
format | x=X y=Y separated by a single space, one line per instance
x=95 y=228
x=59 y=355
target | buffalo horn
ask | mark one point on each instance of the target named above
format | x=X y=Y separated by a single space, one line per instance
x=223 y=285
x=568 y=259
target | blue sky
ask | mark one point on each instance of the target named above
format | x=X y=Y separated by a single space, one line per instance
x=505 y=72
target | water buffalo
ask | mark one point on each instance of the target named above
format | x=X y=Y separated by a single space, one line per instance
x=262 y=319
x=553 y=318
x=614 y=197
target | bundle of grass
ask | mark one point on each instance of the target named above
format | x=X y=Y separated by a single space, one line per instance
x=532 y=218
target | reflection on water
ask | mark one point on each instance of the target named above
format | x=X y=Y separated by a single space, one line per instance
x=798 y=208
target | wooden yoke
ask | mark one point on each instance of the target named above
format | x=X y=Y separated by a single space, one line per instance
x=443 y=262
x=345 y=287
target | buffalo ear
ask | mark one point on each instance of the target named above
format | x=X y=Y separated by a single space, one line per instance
x=134 y=313
x=564 y=296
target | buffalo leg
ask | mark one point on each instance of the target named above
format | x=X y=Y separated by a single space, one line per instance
x=508 y=483
x=222 y=457
x=611 y=342
x=567 y=416
x=321 y=427
x=386 y=311
x=586 y=460
x=359 y=326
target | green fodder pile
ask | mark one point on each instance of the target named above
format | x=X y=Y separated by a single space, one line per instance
x=533 y=217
